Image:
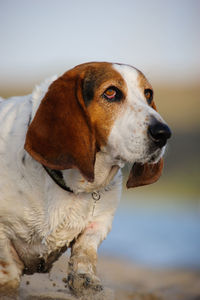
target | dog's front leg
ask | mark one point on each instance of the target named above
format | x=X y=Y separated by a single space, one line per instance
x=10 y=269
x=82 y=264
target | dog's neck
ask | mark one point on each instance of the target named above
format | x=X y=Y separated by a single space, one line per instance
x=104 y=171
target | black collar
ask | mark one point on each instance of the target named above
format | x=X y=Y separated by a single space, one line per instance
x=57 y=177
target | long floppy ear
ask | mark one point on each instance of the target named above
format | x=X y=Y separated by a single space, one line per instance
x=144 y=174
x=61 y=135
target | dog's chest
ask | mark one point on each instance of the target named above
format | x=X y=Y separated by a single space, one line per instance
x=64 y=221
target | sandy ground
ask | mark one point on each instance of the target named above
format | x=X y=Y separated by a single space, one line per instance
x=121 y=280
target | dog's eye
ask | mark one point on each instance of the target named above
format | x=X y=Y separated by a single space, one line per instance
x=112 y=94
x=148 y=95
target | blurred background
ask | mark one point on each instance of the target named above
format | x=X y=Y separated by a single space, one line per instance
x=157 y=225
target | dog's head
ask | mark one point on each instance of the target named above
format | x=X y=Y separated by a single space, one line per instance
x=99 y=106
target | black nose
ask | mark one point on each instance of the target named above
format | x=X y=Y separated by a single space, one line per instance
x=159 y=133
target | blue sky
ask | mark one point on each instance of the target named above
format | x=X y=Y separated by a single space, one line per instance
x=43 y=37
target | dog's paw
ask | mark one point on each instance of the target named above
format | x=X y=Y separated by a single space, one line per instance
x=9 y=290
x=83 y=283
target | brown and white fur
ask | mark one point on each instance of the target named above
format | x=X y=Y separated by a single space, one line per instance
x=88 y=123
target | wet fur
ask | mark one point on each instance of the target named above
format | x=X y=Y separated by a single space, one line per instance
x=66 y=124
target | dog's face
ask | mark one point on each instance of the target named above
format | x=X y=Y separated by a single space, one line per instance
x=100 y=106
x=122 y=111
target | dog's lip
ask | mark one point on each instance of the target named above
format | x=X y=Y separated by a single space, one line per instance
x=152 y=157
x=155 y=157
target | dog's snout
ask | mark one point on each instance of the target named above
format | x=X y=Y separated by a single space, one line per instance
x=159 y=132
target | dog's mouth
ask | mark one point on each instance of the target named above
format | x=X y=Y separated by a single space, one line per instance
x=151 y=156
x=155 y=156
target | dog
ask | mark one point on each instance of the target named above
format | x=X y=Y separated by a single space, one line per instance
x=61 y=153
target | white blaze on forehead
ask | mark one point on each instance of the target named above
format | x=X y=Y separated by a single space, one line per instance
x=129 y=73
x=131 y=77
x=136 y=84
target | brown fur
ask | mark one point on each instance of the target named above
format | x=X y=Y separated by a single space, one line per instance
x=64 y=132
x=144 y=174
x=103 y=113
x=74 y=120
x=3 y=264
x=61 y=135
x=143 y=82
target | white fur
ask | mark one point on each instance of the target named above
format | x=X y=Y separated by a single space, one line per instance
x=128 y=139
x=37 y=217
x=36 y=214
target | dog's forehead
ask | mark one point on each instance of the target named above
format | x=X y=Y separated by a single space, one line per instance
x=104 y=74
x=101 y=72
x=134 y=78
x=101 y=69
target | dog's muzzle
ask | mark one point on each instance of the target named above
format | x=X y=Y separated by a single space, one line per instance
x=159 y=133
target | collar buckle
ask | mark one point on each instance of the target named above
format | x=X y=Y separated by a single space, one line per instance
x=96 y=196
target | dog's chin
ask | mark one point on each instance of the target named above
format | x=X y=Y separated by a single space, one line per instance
x=152 y=157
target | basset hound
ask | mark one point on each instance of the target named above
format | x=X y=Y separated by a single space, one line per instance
x=61 y=153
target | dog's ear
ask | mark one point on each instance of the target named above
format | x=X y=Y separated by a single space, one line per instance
x=61 y=135
x=144 y=174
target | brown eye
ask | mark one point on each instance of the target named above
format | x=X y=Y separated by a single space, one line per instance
x=113 y=94
x=110 y=94
x=148 y=95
